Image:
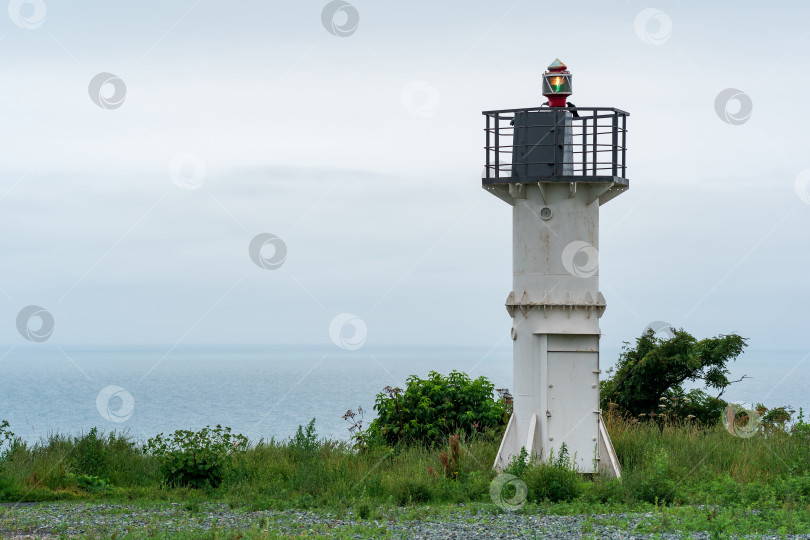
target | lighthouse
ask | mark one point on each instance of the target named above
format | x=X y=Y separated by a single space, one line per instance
x=556 y=165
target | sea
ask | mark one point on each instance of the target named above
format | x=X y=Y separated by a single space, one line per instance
x=267 y=392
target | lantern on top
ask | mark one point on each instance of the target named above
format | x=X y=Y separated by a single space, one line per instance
x=557 y=84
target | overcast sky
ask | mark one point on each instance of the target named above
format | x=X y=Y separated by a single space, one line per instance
x=363 y=153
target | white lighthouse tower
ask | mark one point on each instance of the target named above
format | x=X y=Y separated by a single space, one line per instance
x=556 y=165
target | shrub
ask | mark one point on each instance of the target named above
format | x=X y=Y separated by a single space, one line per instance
x=13 y=492
x=89 y=455
x=557 y=480
x=196 y=459
x=113 y=458
x=605 y=490
x=519 y=464
x=653 y=483
x=365 y=509
x=793 y=488
x=9 y=490
x=801 y=429
x=431 y=409
x=89 y=483
x=411 y=491
x=305 y=439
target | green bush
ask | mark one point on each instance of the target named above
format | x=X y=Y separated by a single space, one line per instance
x=13 y=492
x=801 y=429
x=113 y=458
x=89 y=454
x=605 y=490
x=196 y=459
x=429 y=410
x=555 y=481
x=365 y=509
x=305 y=439
x=519 y=464
x=653 y=483
x=795 y=489
x=89 y=483
x=412 y=491
x=9 y=490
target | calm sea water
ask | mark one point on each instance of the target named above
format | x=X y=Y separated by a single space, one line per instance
x=268 y=391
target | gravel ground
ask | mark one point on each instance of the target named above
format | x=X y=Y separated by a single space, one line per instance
x=108 y=520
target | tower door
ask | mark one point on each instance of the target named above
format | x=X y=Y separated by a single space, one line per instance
x=573 y=399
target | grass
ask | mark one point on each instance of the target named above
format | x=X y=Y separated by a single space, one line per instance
x=270 y=474
x=686 y=463
x=690 y=478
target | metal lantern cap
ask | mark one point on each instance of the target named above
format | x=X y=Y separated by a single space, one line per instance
x=557 y=84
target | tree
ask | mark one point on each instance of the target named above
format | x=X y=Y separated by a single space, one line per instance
x=656 y=368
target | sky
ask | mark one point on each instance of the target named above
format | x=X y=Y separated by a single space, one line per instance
x=146 y=145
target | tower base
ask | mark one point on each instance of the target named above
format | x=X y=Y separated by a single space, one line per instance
x=608 y=463
x=556 y=395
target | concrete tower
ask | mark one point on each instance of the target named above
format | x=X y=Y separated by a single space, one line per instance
x=556 y=165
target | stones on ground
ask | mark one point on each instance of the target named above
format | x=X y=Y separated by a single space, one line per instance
x=464 y=522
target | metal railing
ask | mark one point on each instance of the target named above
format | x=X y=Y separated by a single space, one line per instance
x=589 y=144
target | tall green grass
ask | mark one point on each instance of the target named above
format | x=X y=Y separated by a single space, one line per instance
x=698 y=464
x=675 y=463
x=56 y=467
x=280 y=474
